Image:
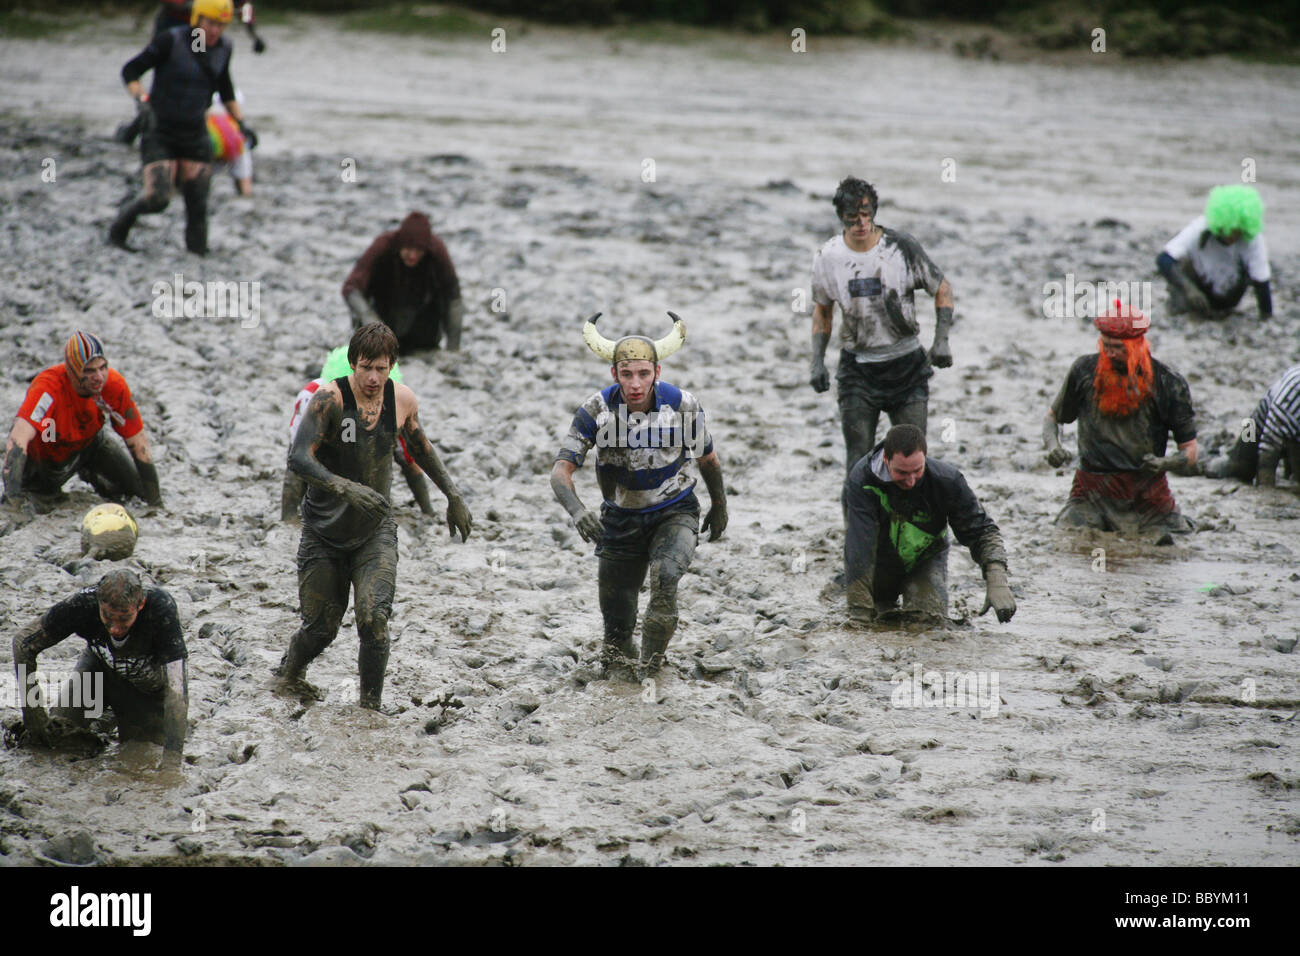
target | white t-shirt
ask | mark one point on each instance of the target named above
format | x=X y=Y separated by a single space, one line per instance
x=874 y=291
x=1219 y=266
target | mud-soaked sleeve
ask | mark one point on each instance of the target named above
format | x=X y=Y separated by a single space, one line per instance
x=695 y=431
x=1176 y=406
x=1068 y=400
x=169 y=643
x=822 y=286
x=70 y=616
x=448 y=281
x=922 y=273
x=359 y=277
x=117 y=395
x=973 y=527
x=159 y=48
x=582 y=433
x=862 y=520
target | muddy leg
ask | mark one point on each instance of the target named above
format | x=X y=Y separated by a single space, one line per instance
x=620 y=585
x=926 y=588
x=671 y=549
x=913 y=413
x=154 y=198
x=374 y=579
x=323 y=581
x=195 y=191
x=859 y=424
x=109 y=468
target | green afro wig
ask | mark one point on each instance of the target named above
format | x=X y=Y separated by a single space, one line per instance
x=336 y=366
x=1234 y=209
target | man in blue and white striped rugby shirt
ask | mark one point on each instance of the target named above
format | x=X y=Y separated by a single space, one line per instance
x=645 y=433
x=1270 y=435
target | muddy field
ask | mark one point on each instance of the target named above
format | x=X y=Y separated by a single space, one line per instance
x=1146 y=712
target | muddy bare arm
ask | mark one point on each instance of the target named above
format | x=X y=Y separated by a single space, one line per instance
x=587 y=523
x=1056 y=455
x=175 y=712
x=323 y=417
x=16 y=457
x=138 y=444
x=421 y=450
x=715 y=522
x=27 y=644
x=823 y=322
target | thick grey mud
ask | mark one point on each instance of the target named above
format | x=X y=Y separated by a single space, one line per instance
x=1144 y=713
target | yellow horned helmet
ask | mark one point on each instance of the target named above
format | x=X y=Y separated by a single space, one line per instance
x=632 y=348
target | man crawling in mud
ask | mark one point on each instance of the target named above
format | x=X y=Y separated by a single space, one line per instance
x=344 y=452
x=60 y=431
x=644 y=430
x=899 y=505
x=1271 y=435
x=406 y=280
x=134 y=651
x=1127 y=404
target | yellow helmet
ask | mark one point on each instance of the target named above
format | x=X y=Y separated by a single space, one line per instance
x=220 y=10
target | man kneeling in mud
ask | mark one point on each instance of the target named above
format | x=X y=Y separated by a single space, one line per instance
x=1271 y=435
x=134 y=653
x=649 y=521
x=344 y=451
x=1127 y=404
x=899 y=504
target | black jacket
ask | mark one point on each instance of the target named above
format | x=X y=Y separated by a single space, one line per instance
x=941 y=499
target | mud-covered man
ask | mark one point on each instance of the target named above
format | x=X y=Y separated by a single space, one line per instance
x=344 y=452
x=189 y=65
x=405 y=279
x=645 y=432
x=1217 y=256
x=1127 y=404
x=898 y=506
x=1271 y=435
x=60 y=431
x=135 y=654
x=293 y=487
x=872 y=273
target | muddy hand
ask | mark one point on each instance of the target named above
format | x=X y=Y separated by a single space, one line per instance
x=998 y=593
x=715 y=522
x=820 y=379
x=941 y=354
x=459 y=518
x=1151 y=465
x=1057 y=456
x=589 y=526
x=368 y=501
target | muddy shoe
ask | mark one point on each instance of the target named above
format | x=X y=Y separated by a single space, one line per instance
x=388 y=710
x=618 y=661
x=117 y=234
x=295 y=688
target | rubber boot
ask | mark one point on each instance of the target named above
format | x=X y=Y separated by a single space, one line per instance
x=195 y=192
x=126 y=218
x=372 y=662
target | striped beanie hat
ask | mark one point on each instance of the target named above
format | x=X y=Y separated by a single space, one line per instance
x=82 y=349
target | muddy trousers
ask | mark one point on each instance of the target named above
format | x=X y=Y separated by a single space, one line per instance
x=104 y=464
x=671 y=546
x=924 y=589
x=861 y=421
x=139 y=715
x=325 y=575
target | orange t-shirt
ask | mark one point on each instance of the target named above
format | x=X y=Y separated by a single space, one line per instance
x=66 y=422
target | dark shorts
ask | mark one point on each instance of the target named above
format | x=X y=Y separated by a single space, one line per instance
x=629 y=534
x=167 y=141
x=883 y=385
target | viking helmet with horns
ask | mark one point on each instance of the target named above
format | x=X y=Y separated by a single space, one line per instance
x=632 y=348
